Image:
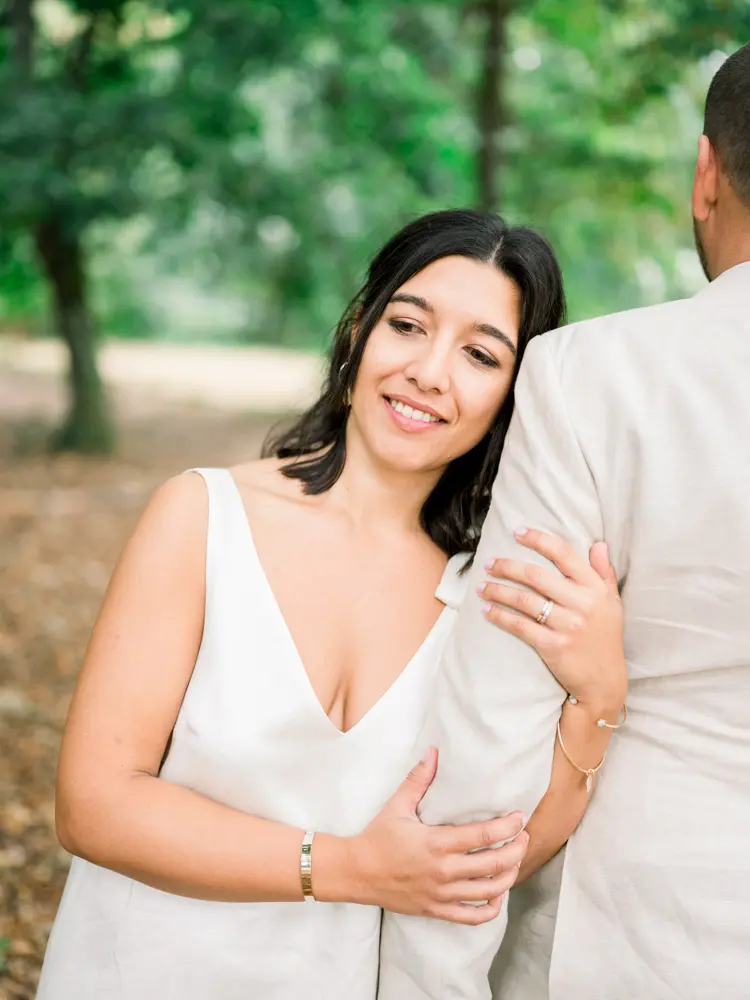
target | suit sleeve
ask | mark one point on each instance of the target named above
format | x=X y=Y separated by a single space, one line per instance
x=495 y=705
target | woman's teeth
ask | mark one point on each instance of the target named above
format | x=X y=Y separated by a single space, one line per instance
x=411 y=413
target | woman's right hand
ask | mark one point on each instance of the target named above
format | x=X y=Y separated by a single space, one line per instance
x=401 y=864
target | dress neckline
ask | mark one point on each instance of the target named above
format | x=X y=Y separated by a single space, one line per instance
x=301 y=669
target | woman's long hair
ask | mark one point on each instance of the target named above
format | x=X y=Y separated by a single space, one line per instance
x=455 y=510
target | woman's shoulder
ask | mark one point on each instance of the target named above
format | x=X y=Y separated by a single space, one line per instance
x=182 y=500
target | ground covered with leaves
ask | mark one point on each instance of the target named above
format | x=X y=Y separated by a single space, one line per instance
x=63 y=521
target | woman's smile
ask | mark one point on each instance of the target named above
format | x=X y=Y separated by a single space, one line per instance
x=409 y=416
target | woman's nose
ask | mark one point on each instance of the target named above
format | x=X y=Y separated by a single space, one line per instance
x=430 y=371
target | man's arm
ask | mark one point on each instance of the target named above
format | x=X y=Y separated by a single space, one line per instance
x=495 y=705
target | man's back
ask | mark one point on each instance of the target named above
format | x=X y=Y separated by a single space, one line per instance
x=655 y=894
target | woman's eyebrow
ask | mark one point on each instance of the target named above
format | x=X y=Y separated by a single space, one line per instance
x=413 y=300
x=492 y=331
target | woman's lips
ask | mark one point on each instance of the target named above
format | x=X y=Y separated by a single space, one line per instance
x=409 y=424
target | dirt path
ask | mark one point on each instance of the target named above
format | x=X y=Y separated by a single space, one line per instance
x=62 y=523
x=258 y=379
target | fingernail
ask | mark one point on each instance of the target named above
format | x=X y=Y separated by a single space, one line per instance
x=520 y=532
x=426 y=756
x=489 y=564
x=524 y=819
x=486 y=608
x=480 y=588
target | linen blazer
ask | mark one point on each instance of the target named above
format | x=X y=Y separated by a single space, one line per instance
x=635 y=429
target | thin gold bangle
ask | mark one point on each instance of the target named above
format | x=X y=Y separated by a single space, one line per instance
x=602 y=723
x=588 y=771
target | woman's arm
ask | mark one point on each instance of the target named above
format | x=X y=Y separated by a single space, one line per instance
x=567 y=798
x=113 y=809
x=580 y=640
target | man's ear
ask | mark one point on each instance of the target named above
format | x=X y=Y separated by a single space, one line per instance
x=706 y=180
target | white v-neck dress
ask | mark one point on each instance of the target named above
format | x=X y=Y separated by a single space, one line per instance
x=252 y=734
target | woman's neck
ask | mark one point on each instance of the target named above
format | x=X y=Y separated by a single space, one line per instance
x=372 y=495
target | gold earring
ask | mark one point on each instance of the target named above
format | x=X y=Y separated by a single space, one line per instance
x=348 y=392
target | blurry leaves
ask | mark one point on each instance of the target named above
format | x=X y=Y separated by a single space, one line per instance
x=308 y=131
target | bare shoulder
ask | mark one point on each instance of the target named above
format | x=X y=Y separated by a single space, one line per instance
x=264 y=480
x=178 y=505
x=172 y=529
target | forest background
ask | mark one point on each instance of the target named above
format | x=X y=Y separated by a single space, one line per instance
x=192 y=172
x=189 y=194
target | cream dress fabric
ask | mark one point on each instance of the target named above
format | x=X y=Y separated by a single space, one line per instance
x=251 y=734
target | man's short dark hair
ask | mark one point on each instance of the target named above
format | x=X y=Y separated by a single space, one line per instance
x=727 y=121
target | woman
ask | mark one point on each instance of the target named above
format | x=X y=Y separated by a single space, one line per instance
x=277 y=627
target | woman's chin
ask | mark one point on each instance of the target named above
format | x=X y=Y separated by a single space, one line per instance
x=410 y=461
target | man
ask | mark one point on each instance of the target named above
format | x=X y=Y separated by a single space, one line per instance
x=634 y=428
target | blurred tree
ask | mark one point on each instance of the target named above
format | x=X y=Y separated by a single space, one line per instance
x=491 y=99
x=81 y=108
x=42 y=115
x=360 y=125
x=240 y=162
x=607 y=102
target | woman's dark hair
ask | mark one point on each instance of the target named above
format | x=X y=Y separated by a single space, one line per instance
x=455 y=510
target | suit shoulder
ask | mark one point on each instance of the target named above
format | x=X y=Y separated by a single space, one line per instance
x=601 y=332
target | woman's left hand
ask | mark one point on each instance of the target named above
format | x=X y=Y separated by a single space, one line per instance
x=574 y=621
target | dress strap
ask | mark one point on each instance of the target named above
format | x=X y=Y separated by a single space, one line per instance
x=454 y=584
x=226 y=519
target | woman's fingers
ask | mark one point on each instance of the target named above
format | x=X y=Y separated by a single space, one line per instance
x=531 y=604
x=570 y=562
x=472 y=836
x=600 y=562
x=561 y=589
x=546 y=582
x=467 y=913
x=480 y=890
x=541 y=637
x=489 y=864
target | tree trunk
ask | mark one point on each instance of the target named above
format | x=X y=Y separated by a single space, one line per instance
x=21 y=20
x=490 y=105
x=88 y=426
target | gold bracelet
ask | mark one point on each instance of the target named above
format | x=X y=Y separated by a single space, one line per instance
x=588 y=771
x=602 y=723
x=305 y=866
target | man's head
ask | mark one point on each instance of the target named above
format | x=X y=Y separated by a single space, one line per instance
x=721 y=189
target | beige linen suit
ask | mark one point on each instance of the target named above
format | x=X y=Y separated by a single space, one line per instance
x=634 y=428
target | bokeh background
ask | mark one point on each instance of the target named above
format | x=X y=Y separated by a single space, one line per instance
x=189 y=194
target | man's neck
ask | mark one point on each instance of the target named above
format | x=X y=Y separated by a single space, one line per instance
x=734 y=247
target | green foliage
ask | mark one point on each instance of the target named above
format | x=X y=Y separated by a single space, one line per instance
x=231 y=166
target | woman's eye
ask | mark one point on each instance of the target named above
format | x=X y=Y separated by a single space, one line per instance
x=402 y=326
x=481 y=357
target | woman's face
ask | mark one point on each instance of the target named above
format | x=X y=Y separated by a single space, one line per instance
x=438 y=365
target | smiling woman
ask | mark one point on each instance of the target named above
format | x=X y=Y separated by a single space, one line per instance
x=261 y=667
x=438 y=352
x=440 y=325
